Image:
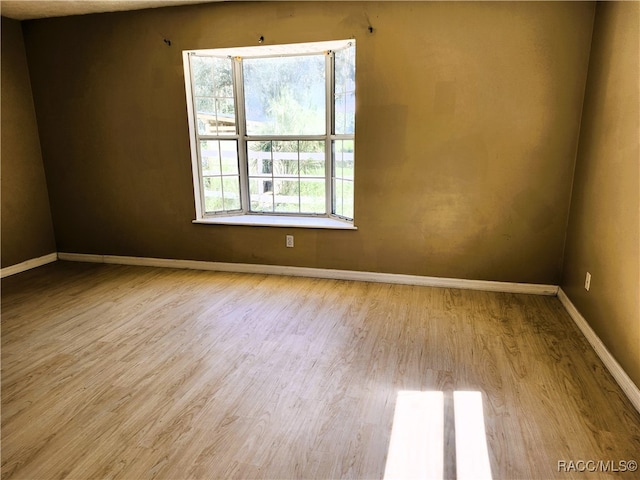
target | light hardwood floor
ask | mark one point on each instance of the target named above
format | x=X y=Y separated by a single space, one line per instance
x=130 y=372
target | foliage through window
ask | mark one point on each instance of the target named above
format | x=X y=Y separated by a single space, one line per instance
x=272 y=129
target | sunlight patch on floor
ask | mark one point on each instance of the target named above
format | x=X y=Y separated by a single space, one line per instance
x=416 y=446
x=472 y=454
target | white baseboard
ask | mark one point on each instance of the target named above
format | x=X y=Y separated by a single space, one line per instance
x=627 y=385
x=536 y=289
x=28 y=264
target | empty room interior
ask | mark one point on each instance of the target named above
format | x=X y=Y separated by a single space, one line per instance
x=299 y=239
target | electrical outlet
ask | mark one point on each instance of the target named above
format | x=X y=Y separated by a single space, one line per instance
x=587 y=281
x=289 y=241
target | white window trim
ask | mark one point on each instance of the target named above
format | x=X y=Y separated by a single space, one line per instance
x=247 y=218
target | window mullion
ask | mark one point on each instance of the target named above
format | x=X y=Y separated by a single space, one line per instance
x=328 y=151
x=241 y=131
x=299 y=180
x=294 y=138
x=273 y=181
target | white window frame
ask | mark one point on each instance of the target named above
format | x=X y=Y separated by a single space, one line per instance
x=245 y=216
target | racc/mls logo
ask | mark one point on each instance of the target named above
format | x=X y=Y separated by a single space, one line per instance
x=613 y=466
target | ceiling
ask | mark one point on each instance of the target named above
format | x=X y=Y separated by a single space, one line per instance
x=30 y=9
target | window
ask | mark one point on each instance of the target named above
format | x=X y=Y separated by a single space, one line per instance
x=272 y=130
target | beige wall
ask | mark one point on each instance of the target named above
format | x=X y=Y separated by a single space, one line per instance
x=26 y=226
x=467 y=125
x=603 y=235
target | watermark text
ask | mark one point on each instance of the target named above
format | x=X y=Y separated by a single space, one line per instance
x=612 y=466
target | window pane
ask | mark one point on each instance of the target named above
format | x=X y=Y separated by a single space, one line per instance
x=345 y=114
x=213 y=194
x=221 y=179
x=345 y=70
x=206 y=106
x=285 y=146
x=285 y=164
x=312 y=196
x=312 y=159
x=286 y=195
x=312 y=168
x=259 y=158
x=212 y=76
x=213 y=91
x=339 y=119
x=211 y=117
x=345 y=86
x=210 y=157
x=343 y=174
x=202 y=73
x=231 y=187
x=261 y=195
x=260 y=167
x=219 y=153
x=287 y=178
x=347 y=145
x=337 y=197
x=344 y=165
x=229 y=157
x=347 y=165
x=347 y=198
x=285 y=158
x=285 y=95
x=225 y=116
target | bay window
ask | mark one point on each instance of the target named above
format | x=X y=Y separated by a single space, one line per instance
x=272 y=131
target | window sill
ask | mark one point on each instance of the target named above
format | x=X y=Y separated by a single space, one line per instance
x=279 y=221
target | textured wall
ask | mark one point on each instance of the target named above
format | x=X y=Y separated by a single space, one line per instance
x=467 y=126
x=603 y=237
x=26 y=226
